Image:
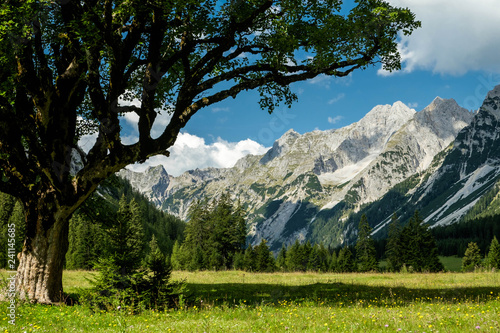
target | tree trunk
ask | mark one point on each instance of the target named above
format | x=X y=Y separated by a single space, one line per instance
x=39 y=274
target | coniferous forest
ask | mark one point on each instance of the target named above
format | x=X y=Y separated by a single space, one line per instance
x=120 y=223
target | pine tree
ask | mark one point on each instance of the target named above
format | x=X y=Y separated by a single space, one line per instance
x=332 y=264
x=196 y=234
x=493 y=259
x=324 y=258
x=127 y=237
x=313 y=263
x=264 y=260
x=176 y=257
x=239 y=261
x=365 y=247
x=472 y=258
x=197 y=259
x=250 y=259
x=393 y=247
x=295 y=257
x=281 y=259
x=418 y=246
x=345 y=261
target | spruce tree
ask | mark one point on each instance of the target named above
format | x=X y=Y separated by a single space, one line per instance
x=127 y=237
x=152 y=283
x=345 y=261
x=314 y=263
x=419 y=251
x=239 y=261
x=281 y=259
x=295 y=257
x=264 y=260
x=332 y=264
x=393 y=247
x=324 y=258
x=472 y=258
x=176 y=257
x=365 y=247
x=493 y=259
x=250 y=259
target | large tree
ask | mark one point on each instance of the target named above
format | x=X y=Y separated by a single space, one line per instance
x=67 y=66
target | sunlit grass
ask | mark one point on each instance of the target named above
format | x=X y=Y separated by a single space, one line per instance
x=238 y=301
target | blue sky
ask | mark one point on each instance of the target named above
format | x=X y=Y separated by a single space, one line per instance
x=456 y=54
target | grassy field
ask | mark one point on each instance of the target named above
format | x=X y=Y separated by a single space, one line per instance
x=290 y=302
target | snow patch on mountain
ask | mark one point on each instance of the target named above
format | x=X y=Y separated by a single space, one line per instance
x=473 y=183
x=347 y=173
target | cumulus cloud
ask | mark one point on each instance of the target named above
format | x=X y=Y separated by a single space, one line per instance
x=456 y=37
x=334 y=120
x=191 y=152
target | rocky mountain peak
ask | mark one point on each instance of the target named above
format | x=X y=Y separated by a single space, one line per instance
x=280 y=146
x=492 y=102
x=386 y=116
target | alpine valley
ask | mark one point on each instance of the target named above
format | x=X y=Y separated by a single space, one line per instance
x=443 y=161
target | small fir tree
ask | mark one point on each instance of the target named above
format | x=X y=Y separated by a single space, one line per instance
x=419 y=251
x=176 y=257
x=313 y=262
x=250 y=259
x=493 y=259
x=472 y=258
x=264 y=260
x=393 y=247
x=366 y=253
x=281 y=259
x=332 y=264
x=345 y=261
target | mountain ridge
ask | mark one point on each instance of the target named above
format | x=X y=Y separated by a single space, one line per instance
x=291 y=189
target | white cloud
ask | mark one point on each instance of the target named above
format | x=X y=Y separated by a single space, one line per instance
x=455 y=37
x=413 y=105
x=334 y=120
x=336 y=98
x=321 y=80
x=220 y=109
x=191 y=152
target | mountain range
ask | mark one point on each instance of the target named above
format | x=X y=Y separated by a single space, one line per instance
x=440 y=160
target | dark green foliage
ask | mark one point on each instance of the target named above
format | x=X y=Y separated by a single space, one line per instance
x=493 y=258
x=126 y=237
x=453 y=239
x=152 y=284
x=123 y=276
x=250 y=259
x=418 y=247
x=366 y=254
x=332 y=264
x=345 y=261
x=264 y=260
x=472 y=258
x=394 y=246
x=281 y=259
x=298 y=257
x=87 y=243
x=176 y=259
x=215 y=233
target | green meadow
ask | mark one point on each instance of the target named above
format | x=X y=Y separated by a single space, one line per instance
x=237 y=301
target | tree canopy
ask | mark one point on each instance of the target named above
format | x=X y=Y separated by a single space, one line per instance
x=70 y=68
